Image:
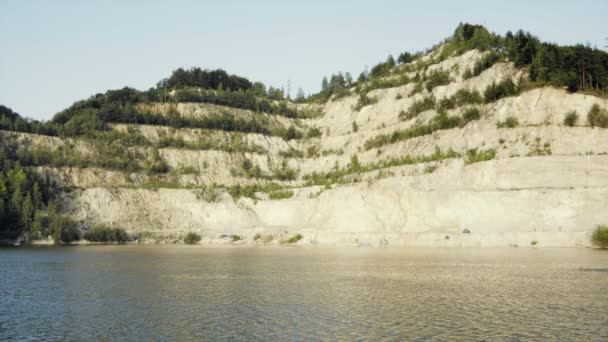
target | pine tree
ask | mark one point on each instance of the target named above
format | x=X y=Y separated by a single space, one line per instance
x=300 y=96
x=324 y=84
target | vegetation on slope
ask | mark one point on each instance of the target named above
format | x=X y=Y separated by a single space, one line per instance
x=599 y=237
x=28 y=204
x=576 y=67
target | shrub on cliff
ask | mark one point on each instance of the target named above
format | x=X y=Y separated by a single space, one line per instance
x=294 y=238
x=192 y=238
x=598 y=117
x=600 y=237
x=571 y=119
x=499 y=90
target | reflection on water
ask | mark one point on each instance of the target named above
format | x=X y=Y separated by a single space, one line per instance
x=197 y=293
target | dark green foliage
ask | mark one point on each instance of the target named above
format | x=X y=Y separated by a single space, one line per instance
x=437 y=78
x=382 y=69
x=355 y=127
x=599 y=237
x=466 y=96
x=475 y=156
x=460 y=98
x=406 y=57
x=486 y=62
x=66 y=229
x=107 y=234
x=22 y=194
x=468 y=37
x=598 y=116
x=501 y=89
x=235 y=99
x=192 y=238
x=337 y=85
x=206 y=79
x=236 y=238
x=471 y=114
x=571 y=119
x=576 y=67
x=510 y=122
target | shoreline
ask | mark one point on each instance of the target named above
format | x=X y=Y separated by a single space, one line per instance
x=228 y=245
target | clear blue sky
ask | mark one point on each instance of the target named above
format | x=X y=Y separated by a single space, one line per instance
x=53 y=53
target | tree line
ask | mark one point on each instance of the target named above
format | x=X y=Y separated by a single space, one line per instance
x=577 y=67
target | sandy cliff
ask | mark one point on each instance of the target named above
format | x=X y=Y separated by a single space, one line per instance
x=547 y=184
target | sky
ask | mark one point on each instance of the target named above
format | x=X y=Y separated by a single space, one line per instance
x=53 y=53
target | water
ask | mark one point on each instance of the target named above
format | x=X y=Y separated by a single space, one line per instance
x=196 y=293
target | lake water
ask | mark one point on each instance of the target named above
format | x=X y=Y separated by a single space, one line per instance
x=195 y=293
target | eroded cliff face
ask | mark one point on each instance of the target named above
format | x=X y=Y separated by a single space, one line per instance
x=545 y=183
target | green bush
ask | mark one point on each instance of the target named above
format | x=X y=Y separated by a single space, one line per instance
x=499 y=90
x=600 y=236
x=295 y=238
x=571 y=119
x=437 y=78
x=236 y=238
x=192 y=238
x=284 y=173
x=313 y=132
x=363 y=101
x=475 y=156
x=106 y=234
x=418 y=107
x=66 y=230
x=486 y=62
x=510 y=122
x=280 y=194
x=598 y=117
x=471 y=114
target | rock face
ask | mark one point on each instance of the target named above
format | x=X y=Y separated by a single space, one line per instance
x=546 y=184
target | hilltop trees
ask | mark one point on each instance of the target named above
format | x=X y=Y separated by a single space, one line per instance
x=206 y=79
x=576 y=67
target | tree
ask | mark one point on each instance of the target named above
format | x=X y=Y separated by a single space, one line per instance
x=300 y=96
x=27 y=213
x=405 y=57
x=324 y=84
